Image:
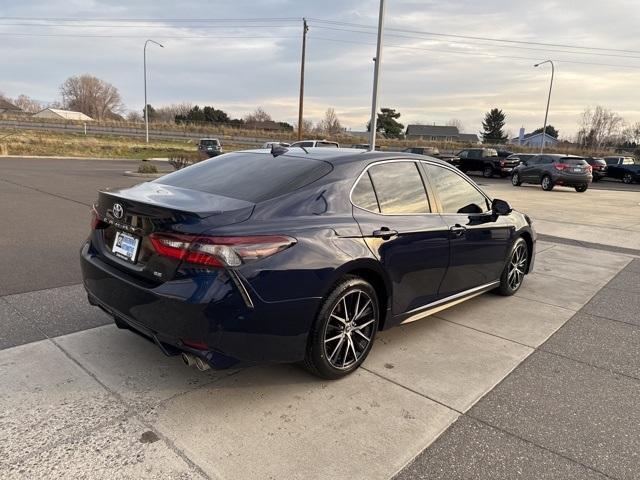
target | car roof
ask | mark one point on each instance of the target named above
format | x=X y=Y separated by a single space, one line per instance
x=338 y=156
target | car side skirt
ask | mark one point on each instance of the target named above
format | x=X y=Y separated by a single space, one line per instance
x=447 y=302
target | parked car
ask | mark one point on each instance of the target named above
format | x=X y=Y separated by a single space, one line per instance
x=364 y=146
x=428 y=151
x=598 y=167
x=276 y=144
x=295 y=257
x=552 y=170
x=521 y=157
x=503 y=153
x=623 y=168
x=485 y=160
x=432 y=152
x=315 y=143
x=210 y=146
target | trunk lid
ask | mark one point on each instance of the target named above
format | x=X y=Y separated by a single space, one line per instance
x=130 y=215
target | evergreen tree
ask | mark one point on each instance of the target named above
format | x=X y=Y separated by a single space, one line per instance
x=493 y=124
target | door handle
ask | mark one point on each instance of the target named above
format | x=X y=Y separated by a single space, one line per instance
x=385 y=233
x=458 y=230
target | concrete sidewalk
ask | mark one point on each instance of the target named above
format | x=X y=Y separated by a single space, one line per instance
x=104 y=403
x=569 y=411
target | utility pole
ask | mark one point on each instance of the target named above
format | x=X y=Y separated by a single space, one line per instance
x=546 y=113
x=376 y=73
x=305 y=29
x=146 y=113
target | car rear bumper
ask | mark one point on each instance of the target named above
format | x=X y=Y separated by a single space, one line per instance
x=207 y=314
x=571 y=180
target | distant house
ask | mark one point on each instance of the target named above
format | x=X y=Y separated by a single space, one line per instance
x=57 y=114
x=10 y=108
x=443 y=133
x=533 y=139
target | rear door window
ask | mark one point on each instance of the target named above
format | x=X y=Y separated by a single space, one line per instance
x=252 y=177
x=363 y=195
x=399 y=188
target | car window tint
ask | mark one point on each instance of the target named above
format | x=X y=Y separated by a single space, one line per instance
x=248 y=176
x=456 y=194
x=399 y=188
x=463 y=154
x=326 y=145
x=363 y=195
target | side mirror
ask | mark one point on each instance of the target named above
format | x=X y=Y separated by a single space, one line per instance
x=500 y=207
x=523 y=162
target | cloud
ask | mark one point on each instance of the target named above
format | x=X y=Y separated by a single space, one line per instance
x=430 y=79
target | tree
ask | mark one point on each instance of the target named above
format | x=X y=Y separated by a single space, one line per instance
x=330 y=124
x=631 y=135
x=493 y=124
x=387 y=123
x=551 y=131
x=134 y=116
x=91 y=96
x=27 y=104
x=455 y=122
x=258 y=116
x=151 y=113
x=599 y=126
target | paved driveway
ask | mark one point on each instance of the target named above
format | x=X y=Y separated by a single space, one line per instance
x=81 y=398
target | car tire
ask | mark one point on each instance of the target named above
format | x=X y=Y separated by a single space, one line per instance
x=581 y=188
x=627 y=178
x=344 y=330
x=487 y=172
x=547 y=183
x=515 y=269
x=515 y=180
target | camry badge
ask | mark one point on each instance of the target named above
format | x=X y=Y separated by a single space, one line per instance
x=117 y=210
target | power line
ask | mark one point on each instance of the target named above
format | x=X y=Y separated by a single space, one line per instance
x=459 y=52
x=457 y=42
x=152 y=20
x=76 y=35
x=470 y=37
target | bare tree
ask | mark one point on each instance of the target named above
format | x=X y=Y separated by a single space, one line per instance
x=631 y=133
x=167 y=114
x=599 y=126
x=91 y=96
x=456 y=122
x=330 y=124
x=258 y=116
x=307 y=127
x=134 y=116
x=28 y=104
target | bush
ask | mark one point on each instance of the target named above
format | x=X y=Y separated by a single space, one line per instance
x=146 y=167
x=184 y=160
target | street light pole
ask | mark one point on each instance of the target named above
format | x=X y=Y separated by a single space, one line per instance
x=546 y=114
x=376 y=73
x=146 y=112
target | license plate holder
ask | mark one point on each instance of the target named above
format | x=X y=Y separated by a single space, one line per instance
x=576 y=170
x=125 y=246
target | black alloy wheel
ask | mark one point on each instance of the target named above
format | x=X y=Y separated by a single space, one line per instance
x=344 y=330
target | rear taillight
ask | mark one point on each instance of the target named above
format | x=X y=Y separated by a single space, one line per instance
x=96 y=222
x=561 y=166
x=219 y=251
x=589 y=169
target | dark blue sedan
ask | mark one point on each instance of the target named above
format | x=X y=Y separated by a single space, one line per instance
x=297 y=255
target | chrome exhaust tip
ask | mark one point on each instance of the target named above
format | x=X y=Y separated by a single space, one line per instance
x=201 y=364
x=188 y=359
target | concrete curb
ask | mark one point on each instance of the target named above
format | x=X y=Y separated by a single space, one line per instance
x=52 y=157
x=131 y=173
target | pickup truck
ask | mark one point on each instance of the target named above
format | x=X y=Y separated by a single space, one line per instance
x=485 y=160
x=623 y=168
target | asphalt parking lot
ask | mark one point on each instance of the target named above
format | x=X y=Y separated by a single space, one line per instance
x=540 y=385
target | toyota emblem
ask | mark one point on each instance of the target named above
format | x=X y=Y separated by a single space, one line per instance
x=117 y=210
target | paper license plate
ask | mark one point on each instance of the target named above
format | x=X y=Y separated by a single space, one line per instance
x=125 y=246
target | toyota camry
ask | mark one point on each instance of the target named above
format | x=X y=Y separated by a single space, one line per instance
x=297 y=255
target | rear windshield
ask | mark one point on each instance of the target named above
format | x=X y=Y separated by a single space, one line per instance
x=572 y=161
x=209 y=143
x=248 y=176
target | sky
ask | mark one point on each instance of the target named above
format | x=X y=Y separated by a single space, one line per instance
x=243 y=54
